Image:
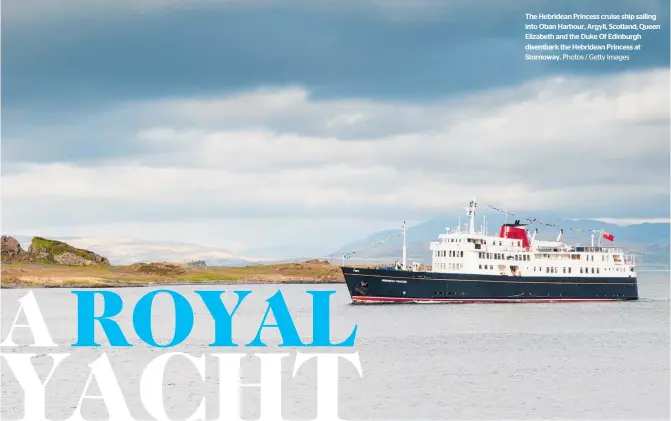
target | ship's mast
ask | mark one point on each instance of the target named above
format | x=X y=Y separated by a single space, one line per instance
x=471 y=216
x=404 y=248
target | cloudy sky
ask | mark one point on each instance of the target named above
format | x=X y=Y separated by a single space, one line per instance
x=257 y=124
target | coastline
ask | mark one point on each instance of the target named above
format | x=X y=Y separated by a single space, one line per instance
x=129 y=284
x=22 y=275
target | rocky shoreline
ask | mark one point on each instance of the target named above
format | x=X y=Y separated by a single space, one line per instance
x=111 y=283
x=54 y=264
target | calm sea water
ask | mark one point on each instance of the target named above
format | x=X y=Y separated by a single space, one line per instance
x=460 y=361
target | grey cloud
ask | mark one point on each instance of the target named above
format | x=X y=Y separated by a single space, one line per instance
x=200 y=48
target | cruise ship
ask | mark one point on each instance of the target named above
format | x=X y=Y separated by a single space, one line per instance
x=469 y=266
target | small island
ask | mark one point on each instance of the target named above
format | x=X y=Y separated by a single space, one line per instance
x=55 y=264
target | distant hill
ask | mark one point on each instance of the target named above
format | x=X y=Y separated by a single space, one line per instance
x=650 y=241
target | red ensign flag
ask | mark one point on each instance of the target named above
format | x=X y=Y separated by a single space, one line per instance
x=608 y=236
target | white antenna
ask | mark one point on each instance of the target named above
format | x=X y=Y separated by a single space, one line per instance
x=484 y=223
x=471 y=216
x=404 y=248
x=459 y=226
x=560 y=234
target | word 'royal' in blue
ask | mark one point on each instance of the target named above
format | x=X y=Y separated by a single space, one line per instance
x=184 y=319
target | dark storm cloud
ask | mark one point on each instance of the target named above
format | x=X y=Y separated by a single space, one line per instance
x=74 y=63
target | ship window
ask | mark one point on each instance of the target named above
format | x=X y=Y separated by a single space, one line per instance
x=462 y=254
x=592 y=270
x=491 y=267
x=597 y=270
x=479 y=266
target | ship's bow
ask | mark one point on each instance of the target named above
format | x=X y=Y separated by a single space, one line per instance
x=357 y=285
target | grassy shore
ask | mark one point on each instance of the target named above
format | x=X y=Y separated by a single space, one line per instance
x=31 y=275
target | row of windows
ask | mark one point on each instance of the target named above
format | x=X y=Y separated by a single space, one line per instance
x=554 y=270
x=492 y=242
x=450 y=266
x=452 y=253
x=568 y=270
x=501 y=256
x=565 y=270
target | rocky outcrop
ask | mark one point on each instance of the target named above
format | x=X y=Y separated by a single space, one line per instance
x=42 y=250
x=52 y=251
x=11 y=250
x=160 y=269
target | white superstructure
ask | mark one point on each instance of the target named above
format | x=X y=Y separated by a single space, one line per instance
x=516 y=252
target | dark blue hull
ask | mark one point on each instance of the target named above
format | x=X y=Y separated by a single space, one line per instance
x=382 y=285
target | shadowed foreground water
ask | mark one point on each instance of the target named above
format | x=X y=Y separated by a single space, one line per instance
x=460 y=361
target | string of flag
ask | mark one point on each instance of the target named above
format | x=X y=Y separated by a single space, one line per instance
x=351 y=254
x=608 y=236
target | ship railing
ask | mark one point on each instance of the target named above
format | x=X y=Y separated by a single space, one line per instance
x=599 y=249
